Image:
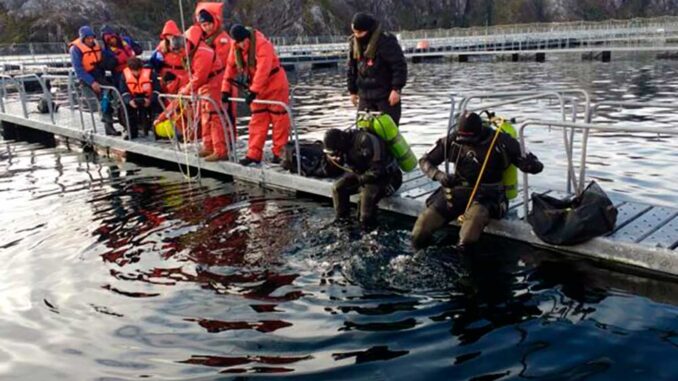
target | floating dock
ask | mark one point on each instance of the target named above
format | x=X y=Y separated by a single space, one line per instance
x=645 y=236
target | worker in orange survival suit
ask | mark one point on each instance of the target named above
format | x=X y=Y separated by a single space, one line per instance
x=168 y=64
x=209 y=16
x=253 y=60
x=206 y=75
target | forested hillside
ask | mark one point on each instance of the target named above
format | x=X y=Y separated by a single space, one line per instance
x=58 y=20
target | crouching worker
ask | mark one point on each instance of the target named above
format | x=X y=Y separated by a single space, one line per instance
x=139 y=88
x=370 y=170
x=468 y=148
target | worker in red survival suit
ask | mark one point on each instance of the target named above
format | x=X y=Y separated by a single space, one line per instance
x=209 y=16
x=253 y=63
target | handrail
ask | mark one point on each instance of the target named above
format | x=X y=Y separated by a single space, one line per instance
x=224 y=121
x=525 y=96
x=22 y=92
x=124 y=108
x=45 y=91
x=596 y=106
x=292 y=123
x=585 y=127
x=61 y=76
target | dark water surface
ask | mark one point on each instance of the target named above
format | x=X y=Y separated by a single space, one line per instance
x=115 y=271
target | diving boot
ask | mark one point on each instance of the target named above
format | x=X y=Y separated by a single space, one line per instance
x=215 y=157
x=205 y=153
x=110 y=130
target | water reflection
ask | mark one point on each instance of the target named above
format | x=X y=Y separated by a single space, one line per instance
x=118 y=271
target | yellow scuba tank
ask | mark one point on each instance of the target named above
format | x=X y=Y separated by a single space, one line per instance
x=510 y=175
x=383 y=126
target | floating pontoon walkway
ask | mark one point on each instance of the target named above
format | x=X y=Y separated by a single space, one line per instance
x=646 y=236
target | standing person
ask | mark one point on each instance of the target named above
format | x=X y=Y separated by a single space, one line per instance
x=169 y=64
x=139 y=89
x=206 y=76
x=377 y=70
x=209 y=16
x=253 y=58
x=370 y=171
x=468 y=149
x=119 y=51
x=87 y=61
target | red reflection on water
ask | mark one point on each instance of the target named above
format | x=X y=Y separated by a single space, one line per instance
x=214 y=326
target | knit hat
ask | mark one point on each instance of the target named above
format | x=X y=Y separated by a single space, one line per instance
x=363 y=22
x=335 y=141
x=239 y=33
x=205 y=16
x=86 y=31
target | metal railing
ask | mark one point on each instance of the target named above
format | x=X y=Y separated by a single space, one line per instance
x=582 y=126
x=225 y=122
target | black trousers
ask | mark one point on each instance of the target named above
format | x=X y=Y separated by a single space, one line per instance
x=370 y=195
x=140 y=117
x=383 y=106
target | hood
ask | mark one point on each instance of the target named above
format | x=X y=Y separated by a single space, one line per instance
x=214 y=9
x=170 y=29
x=86 y=31
x=194 y=35
x=106 y=30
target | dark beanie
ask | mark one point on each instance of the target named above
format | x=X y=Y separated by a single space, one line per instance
x=336 y=140
x=205 y=16
x=239 y=33
x=470 y=127
x=363 y=22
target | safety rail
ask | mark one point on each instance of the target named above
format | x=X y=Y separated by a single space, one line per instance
x=122 y=105
x=523 y=96
x=225 y=122
x=45 y=91
x=293 y=123
x=20 y=89
x=582 y=126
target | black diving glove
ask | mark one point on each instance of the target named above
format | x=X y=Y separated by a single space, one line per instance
x=169 y=77
x=447 y=181
x=531 y=164
x=224 y=96
x=250 y=97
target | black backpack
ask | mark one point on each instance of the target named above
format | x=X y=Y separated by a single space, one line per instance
x=43 y=106
x=572 y=221
x=313 y=160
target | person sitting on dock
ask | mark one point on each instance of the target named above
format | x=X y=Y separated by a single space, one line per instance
x=377 y=70
x=116 y=51
x=87 y=61
x=168 y=64
x=476 y=151
x=370 y=170
x=139 y=88
x=254 y=60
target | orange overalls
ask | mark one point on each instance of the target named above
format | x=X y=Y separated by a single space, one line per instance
x=265 y=77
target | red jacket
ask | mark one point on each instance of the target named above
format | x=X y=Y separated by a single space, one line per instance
x=206 y=70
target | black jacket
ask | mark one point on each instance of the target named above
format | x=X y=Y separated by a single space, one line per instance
x=369 y=157
x=373 y=80
x=467 y=159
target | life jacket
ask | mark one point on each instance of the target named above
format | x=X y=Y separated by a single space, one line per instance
x=139 y=86
x=91 y=57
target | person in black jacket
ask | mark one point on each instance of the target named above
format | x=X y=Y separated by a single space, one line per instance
x=377 y=70
x=370 y=170
x=466 y=149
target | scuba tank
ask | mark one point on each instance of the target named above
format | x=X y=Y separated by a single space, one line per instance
x=383 y=126
x=510 y=176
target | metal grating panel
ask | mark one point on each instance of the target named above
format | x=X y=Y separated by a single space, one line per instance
x=413 y=184
x=666 y=236
x=643 y=225
x=627 y=212
x=424 y=190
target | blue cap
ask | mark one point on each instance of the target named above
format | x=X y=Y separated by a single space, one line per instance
x=86 y=31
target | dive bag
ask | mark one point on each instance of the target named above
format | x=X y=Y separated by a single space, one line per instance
x=383 y=126
x=313 y=160
x=572 y=221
